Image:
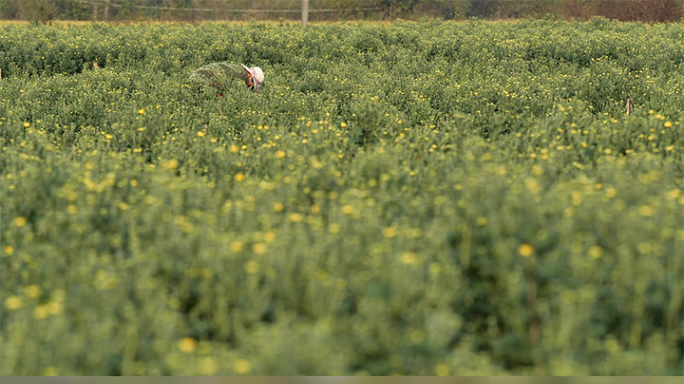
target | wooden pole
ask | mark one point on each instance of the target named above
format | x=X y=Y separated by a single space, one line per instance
x=305 y=12
x=106 y=10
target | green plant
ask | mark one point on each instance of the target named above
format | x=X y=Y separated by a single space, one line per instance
x=410 y=198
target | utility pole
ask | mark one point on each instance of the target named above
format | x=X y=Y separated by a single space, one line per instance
x=94 y=4
x=305 y=12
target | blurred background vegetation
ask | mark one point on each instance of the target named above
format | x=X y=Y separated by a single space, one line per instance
x=331 y=10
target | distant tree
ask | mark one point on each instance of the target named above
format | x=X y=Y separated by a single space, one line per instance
x=640 y=10
x=39 y=11
x=10 y=9
x=446 y=9
x=483 y=8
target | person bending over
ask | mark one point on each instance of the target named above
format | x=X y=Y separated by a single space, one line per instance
x=221 y=76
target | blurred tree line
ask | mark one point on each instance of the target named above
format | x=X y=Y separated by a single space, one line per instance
x=329 y=10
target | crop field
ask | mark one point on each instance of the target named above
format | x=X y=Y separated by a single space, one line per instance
x=431 y=198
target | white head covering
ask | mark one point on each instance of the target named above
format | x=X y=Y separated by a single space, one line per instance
x=257 y=76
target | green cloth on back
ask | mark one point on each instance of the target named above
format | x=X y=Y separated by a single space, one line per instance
x=218 y=75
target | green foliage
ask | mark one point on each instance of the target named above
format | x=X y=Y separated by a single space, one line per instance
x=39 y=11
x=415 y=198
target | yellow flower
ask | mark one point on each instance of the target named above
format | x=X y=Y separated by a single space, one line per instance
x=481 y=221
x=200 y=134
x=673 y=194
x=50 y=371
x=269 y=236
x=54 y=307
x=27 y=124
x=171 y=164
x=611 y=192
x=343 y=124
x=9 y=250
x=409 y=258
x=187 y=344
x=259 y=248
x=595 y=251
x=334 y=228
x=532 y=185
x=72 y=209
x=414 y=233
x=239 y=177
x=525 y=250
x=278 y=207
x=644 y=248
x=33 y=291
x=612 y=345
x=234 y=148
x=280 y=154
x=109 y=137
x=13 y=303
x=208 y=366
x=645 y=210
x=236 y=246
x=252 y=267
x=389 y=232
x=242 y=367
x=141 y=129
x=20 y=221
x=668 y=124
x=441 y=370
x=41 y=312
x=141 y=111
x=296 y=217
x=347 y=209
